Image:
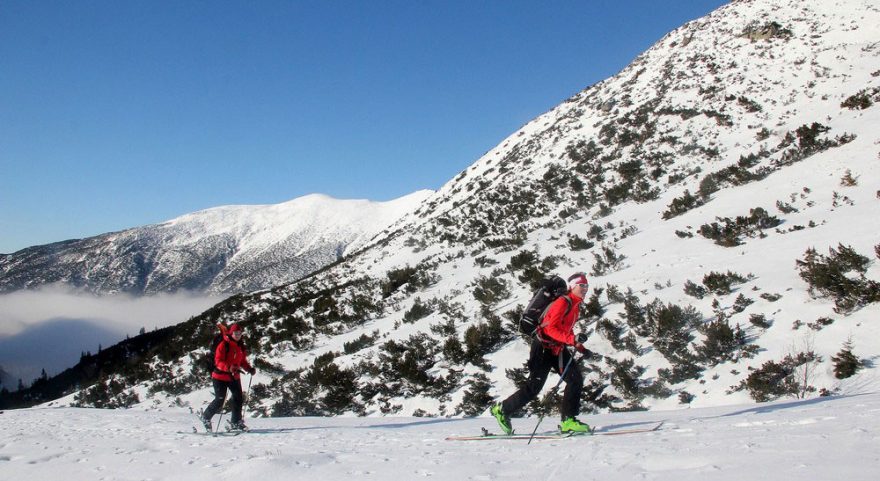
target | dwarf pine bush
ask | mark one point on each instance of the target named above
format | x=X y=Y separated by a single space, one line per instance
x=846 y=364
x=694 y=290
x=670 y=326
x=723 y=343
x=682 y=204
x=760 y=321
x=419 y=310
x=721 y=284
x=728 y=232
x=840 y=276
x=484 y=338
x=489 y=290
x=476 y=397
x=776 y=379
x=626 y=378
x=607 y=260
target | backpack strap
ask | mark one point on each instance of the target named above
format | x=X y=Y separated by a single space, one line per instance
x=543 y=324
x=568 y=304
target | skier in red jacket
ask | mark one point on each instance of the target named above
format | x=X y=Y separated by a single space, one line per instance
x=548 y=352
x=230 y=358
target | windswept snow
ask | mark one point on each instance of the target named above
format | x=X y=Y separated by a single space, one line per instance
x=827 y=438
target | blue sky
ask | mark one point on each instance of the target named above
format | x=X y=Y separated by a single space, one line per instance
x=115 y=114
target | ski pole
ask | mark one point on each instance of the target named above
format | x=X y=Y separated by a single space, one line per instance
x=553 y=391
x=244 y=396
x=221 y=414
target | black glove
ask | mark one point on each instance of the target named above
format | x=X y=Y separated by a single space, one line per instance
x=252 y=370
x=582 y=337
x=586 y=353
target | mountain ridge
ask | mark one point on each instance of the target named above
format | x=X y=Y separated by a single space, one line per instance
x=225 y=249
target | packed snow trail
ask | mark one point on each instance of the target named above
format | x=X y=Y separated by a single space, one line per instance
x=818 y=439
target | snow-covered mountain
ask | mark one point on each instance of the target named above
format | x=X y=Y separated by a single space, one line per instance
x=220 y=250
x=721 y=192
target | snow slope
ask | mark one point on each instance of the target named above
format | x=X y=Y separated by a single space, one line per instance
x=820 y=439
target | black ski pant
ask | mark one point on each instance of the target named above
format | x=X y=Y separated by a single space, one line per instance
x=541 y=362
x=220 y=388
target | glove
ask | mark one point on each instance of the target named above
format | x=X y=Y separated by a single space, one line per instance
x=252 y=370
x=588 y=354
x=582 y=337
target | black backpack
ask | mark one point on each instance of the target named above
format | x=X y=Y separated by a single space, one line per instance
x=550 y=290
x=209 y=362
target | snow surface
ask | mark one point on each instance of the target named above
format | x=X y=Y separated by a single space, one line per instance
x=816 y=439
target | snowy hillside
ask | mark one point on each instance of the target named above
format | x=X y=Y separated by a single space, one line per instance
x=821 y=439
x=221 y=250
x=721 y=192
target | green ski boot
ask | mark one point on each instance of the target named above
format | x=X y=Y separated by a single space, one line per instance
x=574 y=426
x=503 y=419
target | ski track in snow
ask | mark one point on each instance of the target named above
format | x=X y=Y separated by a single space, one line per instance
x=817 y=439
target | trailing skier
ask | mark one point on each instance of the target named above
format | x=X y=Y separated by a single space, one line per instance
x=230 y=359
x=549 y=352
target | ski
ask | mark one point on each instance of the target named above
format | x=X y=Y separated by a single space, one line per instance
x=212 y=434
x=555 y=434
x=615 y=432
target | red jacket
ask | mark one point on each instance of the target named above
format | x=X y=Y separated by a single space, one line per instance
x=230 y=357
x=558 y=327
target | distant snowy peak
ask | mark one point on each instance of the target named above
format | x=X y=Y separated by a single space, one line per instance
x=224 y=249
x=322 y=216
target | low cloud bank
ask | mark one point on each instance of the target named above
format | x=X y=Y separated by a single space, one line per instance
x=51 y=327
